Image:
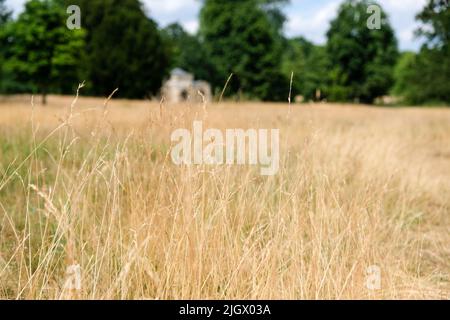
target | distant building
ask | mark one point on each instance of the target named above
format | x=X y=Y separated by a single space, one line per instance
x=387 y=100
x=299 y=99
x=181 y=87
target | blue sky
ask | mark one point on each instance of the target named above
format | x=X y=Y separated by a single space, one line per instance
x=308 y=18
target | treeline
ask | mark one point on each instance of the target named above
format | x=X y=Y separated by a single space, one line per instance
x=118 y=46
x=240 y=42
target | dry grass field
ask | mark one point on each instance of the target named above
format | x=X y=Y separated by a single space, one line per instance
x=83 y=184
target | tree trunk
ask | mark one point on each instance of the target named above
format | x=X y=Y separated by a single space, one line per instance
x=44 y=96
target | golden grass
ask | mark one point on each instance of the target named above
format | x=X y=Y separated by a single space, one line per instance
x=357 y=186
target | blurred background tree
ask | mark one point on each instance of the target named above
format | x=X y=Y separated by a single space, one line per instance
x=310 y=65
x=274 y=12
x=41 y=53
x=5 y=17
x=240 y=39
x=402 y=72
x=120 y=46
x=425 y=77
x=187 y=53
x=5 y=14
x=124 y=48
x=362 y=59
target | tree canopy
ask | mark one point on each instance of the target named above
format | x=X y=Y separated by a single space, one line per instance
x=41 y=52
x=187 y=53
x=5 y=16
x=120 y=46
x=425 y=77
x=310 y=65
x=362 y=59
x=240 y=39
x=124 y=48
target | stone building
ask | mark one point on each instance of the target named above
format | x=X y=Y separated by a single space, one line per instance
x=182 y=87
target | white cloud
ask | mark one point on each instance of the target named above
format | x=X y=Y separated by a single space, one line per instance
x=402 y=17
x=403 y=5
x=168 y=11
x=313 y=25
x=406 y=35
x=16 y=5
x=169 y=6
x=191 y=26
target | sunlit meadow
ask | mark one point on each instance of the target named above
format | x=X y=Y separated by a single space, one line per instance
x=89 y=183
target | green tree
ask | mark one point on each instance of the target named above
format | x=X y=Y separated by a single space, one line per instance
x=310 y=66
x=188 y=53
x=425 y=77
x=403 y=71
x=5 y=16
x=125 y=49
x=240 y=39
x=362 y=59
x=41 y=51
x=273 y=10
x=436 y=23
